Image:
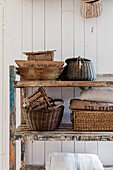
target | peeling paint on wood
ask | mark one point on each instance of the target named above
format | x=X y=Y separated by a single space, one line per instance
x=22 y=153
x=12 y=154
x=33 y=167
x=64 y=133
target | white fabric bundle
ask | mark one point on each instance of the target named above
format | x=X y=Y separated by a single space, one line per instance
x=71 y=161
x=61 y=161
x=100 y=94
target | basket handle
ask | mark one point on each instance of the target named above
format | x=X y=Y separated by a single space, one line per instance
x=57 y=100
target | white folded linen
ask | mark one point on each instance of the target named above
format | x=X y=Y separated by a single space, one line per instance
x=100 y=94
x=61 y=161
x=71 y=161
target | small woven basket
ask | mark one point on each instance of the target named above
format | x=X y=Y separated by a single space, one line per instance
x=78 y=69
x=44 y=119
x=91 y=9
x=92 y=120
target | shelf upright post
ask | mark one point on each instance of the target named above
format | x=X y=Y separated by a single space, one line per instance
x=22 y=153
x=12 y=122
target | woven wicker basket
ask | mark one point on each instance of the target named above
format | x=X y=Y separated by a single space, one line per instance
x=43 y=119
x=78 y=69
x=92 y=120
x=91 y=9
x=88 y=0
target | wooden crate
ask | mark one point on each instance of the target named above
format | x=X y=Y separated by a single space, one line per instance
x=41 y=55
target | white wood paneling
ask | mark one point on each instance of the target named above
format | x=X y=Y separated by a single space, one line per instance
x=68 y=146
x=53 y=27
x=90 y=40
x=79 y=147
x=51 y=147
x=79 y=36
x=1 y=85
x=38 y=25
x=67 y=5
x=38 y=153
x=27 y=25
x=91 y=147
x=28 y=152
x=105 y=38
x=105 y=152
x=67 y=34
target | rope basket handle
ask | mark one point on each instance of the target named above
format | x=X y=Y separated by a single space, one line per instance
x=56 y=100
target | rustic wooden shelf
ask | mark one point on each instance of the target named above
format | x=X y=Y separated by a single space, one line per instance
x=20 y=84
x=64 y=133
x=29 y=167
x=43 y=167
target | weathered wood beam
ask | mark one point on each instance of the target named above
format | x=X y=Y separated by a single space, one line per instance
x=22 y=153
x=63 y=133
x=33 y=167
x=12 y=127
x=19 y=84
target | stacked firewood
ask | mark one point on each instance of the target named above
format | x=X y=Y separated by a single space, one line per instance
x=37 y=100
x=40 y=112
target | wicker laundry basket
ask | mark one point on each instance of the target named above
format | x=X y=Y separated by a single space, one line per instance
x=91 y=9
x=44 y=119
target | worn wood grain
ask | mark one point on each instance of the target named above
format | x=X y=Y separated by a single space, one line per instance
x=12 y=142
x=39 y=64
x=19 y=84
x=43 y=167
x=64 y=133
x=22 y=91
x=22 y=153
x=33 y=167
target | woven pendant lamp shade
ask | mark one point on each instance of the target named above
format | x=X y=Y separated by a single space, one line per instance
x=88 y=0
x=91 y=9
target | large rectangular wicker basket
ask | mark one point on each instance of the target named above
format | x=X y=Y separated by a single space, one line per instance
x=92 y=120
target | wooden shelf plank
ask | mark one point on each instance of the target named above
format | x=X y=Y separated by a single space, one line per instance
x=19 y=84
x=33 y=167
x=64 y=133
x=43 y=167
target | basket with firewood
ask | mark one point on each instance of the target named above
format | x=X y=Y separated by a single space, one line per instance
x=41 y=112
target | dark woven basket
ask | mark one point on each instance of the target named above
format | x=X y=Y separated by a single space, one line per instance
x=43 y=119
x=79 y=69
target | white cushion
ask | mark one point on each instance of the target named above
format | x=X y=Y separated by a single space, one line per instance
x=100 y=94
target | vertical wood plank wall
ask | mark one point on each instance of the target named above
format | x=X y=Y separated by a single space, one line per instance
x=1 y=83
x=57 y=24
